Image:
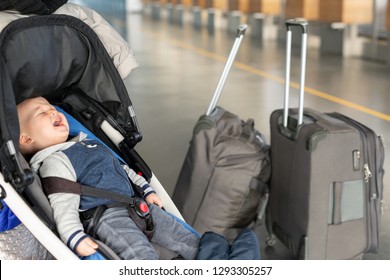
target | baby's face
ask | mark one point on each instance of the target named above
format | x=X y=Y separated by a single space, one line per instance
x=42 y=124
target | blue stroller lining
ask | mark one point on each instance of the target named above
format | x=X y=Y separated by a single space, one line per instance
x=8 y=219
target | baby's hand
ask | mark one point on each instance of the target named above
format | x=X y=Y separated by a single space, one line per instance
x=86 y=247
x=154 y=199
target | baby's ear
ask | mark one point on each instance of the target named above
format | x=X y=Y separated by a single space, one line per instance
x=25 y=140
x=25 y=144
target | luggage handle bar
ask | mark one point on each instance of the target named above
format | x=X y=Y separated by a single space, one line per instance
x=240 y=35
x=302 y=23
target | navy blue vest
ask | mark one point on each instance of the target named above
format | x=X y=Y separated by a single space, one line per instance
x=95 y=166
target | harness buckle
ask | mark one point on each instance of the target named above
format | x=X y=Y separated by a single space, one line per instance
x=141 y=208
x=140 y=213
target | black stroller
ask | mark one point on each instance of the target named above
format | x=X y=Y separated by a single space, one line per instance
x=61 y=58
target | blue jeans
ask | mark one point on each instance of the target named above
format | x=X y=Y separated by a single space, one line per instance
x=118 y=231
x=214 y=246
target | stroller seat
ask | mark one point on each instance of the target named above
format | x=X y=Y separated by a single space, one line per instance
x=61 y=58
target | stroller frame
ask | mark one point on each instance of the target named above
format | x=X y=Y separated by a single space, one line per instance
x=82 y=66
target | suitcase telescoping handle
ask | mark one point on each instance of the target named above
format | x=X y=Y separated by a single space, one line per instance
x=290 y=24
x=240 y=35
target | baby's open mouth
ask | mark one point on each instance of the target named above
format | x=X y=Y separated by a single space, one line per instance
x=57 y=122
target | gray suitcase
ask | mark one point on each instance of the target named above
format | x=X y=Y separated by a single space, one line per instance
x=326 y=187
x=223 y=181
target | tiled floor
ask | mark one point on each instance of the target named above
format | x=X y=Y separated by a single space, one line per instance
x=179 y=70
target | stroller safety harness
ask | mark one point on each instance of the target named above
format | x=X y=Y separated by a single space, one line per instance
x=138 y=208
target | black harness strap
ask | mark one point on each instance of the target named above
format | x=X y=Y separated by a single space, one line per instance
x=52 y=185
x=138 y=209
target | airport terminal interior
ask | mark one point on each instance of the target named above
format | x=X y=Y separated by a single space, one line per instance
x=182 y=47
